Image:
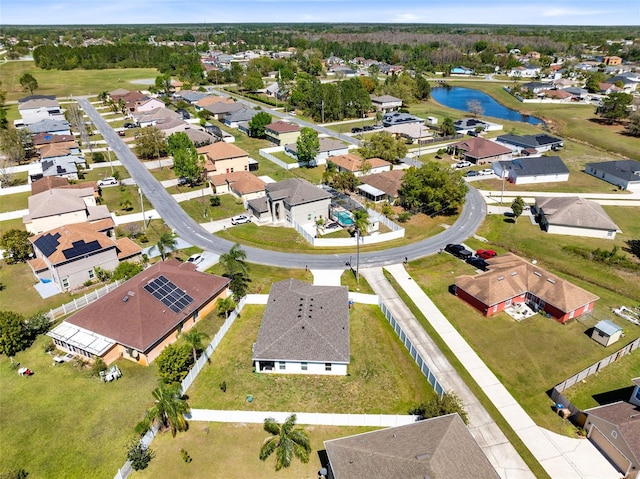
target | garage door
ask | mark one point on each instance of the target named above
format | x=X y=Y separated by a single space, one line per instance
x=614 y=455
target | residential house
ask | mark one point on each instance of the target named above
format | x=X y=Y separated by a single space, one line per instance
x=537 y=87
x=130 y=100
x=293 y=200
x=65 y=165
x=152 y=117
x=622 y=173
x=480 y=151
x=462 y=71
x=628 y=85
x=50 y=126
x=50 y=182
x=559 y=95
x=149 y=104
x=615 y=430
x=397 y=118
x=382 y=186
x=328 y=148
x=244 y=114
x=385 y=103
x=208 y=100
x=221 y=157
x=60 y=148
x=190 y=96
x=411 y=132
x=606 y=332
x=577 y=93
x=439 y=447
x=240 y=184
x=42 y=139
x=69 y=255
x=537 y=143
x=354 y=164
x=198 y=136
x=304 y=330
x=282 y=133
x=525 y=71
x=511 y=280
x=612 y=60
x=63 y=206
x=35 y=110
x=466 y=125
x=221 y=109
x=141 y=317
x=540 y=169
x=574 y=216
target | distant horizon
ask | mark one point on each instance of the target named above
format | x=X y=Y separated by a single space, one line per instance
x=569 y=13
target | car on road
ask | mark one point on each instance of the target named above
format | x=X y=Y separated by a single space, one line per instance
x=240 y=219
x=472 y=173
x=486 y=172
x=195 y=259
x=478 y=263
x=108 y=181
x=458 y=251
x=486 y=253
x=356 y=130
x=462 y=164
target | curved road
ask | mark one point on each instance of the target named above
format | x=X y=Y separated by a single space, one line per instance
x=472 y=215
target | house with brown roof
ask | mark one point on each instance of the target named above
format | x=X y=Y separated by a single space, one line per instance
x=382 y=186
x=291 y=201
x=615 y=430
x=304 y=330
x=149 y=104
x=50 y=182
x=574 y=216
x=202 y=103
x=139 y=318
x=63 y=206
x=151 y=117
x=282 y=133
x=385 y=103
x=69 y=255
x=222 y=158
x=511 y=280
x=131 y=99
x=240 y=184
x=480 y=151
x=358 y=166
x=439 y=447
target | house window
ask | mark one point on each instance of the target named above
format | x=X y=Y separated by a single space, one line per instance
x=282 y=366
x=303 y=366
x=495 y=308
x=309 y=217
x=507 y=303
x=609 y=233
x=65 y=283
x=638 y=394
x=91 y=273
x=327 y=366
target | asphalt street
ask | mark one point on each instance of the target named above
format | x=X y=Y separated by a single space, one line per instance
x=471 y=217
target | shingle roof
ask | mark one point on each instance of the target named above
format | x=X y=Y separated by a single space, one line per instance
x=624 y=415
x=530 y=141
x=628 y=170
x=512 y=276
x=223 y=107
x=384 y=99
x=222 y=151
x=540 y=165
x=48 y=125
x=38 y=103
x=282 y=127
x=46 y=138
x=440 y=447
x=295 y=191
x=354 y=163
x=142 y=320
x=387 y=181
x=326 y=145
x=576 y=212
x=303 y=322
x=57 y=201
x=480 y=148
x=242 y=182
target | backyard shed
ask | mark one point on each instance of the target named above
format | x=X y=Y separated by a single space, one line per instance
x=606 y=332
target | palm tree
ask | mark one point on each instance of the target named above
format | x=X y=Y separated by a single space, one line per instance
x=194 y=339
x=169 y=408
x=225 y=305
x=360 y=227
x=166 y=243
x=286 y=440
x=234 y=261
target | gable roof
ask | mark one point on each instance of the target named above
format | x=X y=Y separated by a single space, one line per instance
x=35 y=103
x=241 y=182
x=387 y=181
x=539 y=165
x=575 y=211
x=608 y=327
x=440 y=447
x=211 y=99
x=48 y=125
x=243 y=114
x=223 y=107
x=384 y=99
x=282 y=127
x=530 y=141
x=295 y=191
x=481 y=148
x=510 y=276
x=222 y=151
x=628 y=170
x=303 y=322
x=626 y=417
x=142 y=320
x=354 y=163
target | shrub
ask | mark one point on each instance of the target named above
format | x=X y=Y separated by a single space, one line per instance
x=139 y=455
x=98 y=157
x=174 y=363
x=185 y=456
x=97 y=367
x=404 y=217
x=214 y=200
x=223 y=386
x=440 y=406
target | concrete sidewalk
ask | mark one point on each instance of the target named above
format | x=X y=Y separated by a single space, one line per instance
x=500 y=452
x=560 y=456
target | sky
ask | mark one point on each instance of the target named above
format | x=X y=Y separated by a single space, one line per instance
x=524 y=12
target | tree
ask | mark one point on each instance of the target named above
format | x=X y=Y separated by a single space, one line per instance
x=225 y=306
x=253 y=81
x=330 y=171
x=166 y=243
x=14 y=335
x=593 y=80
x=633 y=127
x=517 y=207
x=28 y=83
x=448 y=128
x=163 y=83
x=257 y=124
x=16 y=245
x=178 y=141
x=361 y=221
x=126 y=270
x=4 y=123
x=234 y=262
x=432 y=189
x=286 y=441
x=475 y=107
x=614 y=106
x=194 y=338
x=383 y=145
x=440 y=406
x=174 y=363
x=139 y=455
x=150 y=143
x=307 y=145
x=169 y=408
x=186 y=161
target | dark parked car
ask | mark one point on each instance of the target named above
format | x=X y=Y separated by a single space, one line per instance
x=472 y=173
x=478 y=263
x=356 y=130
x=367 y=128
x=459 y=251
x=129 y=125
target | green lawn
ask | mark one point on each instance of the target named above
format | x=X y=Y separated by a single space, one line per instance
x=200 y=210
x=383 y=379
x=16 y=201
x=114 y=197
x=231 y=451
x=262 y=276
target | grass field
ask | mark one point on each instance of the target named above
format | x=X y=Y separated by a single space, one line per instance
x=16 y=201
x=382 y=379
x=200 y=210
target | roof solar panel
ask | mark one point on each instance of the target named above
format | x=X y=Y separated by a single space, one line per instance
x=79 y=248
x=168 y=293
x=47 y=243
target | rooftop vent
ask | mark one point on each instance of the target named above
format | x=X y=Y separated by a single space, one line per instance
x=125 y=299
x=500 y=278
x=514 y=273
x=538 y=273
x=552 y=281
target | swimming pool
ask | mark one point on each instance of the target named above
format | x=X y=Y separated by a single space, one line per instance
x=344 y=218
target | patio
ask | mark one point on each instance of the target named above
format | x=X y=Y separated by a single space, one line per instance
x=519 y=311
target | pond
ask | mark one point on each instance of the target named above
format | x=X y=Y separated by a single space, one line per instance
x=458 y=97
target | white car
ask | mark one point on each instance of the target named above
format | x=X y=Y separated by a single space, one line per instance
x=195 y=259
x=108 y=181
x=240 y=219
x=462 y=164
x=486 y=172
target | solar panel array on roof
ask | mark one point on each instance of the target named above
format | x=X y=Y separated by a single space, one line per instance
x=47 y=243
x=79 y=248
x=545 y=139
x=168 y=293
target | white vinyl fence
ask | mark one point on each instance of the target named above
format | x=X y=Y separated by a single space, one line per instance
x=83 y=301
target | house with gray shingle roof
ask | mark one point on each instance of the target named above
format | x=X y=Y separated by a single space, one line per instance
x=54 y=127
x=304 y=330
x=328 y=148
x=574 y=216
x=622 y=173
x=235 y=117
x=540 y=142
x=540 y=169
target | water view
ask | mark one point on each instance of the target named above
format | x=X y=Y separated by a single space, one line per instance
x=458 y=97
